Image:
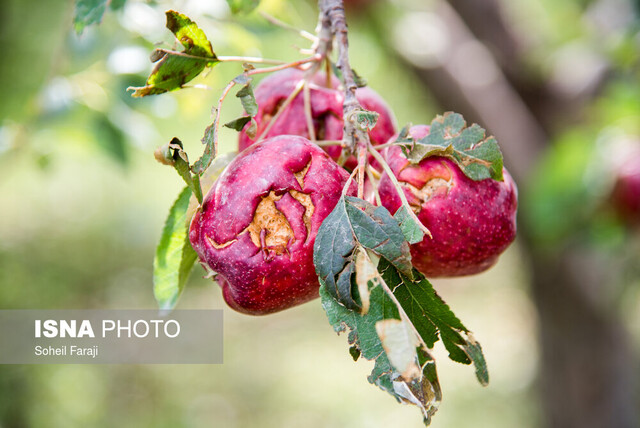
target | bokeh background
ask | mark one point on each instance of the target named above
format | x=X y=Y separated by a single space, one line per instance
x=83 y=202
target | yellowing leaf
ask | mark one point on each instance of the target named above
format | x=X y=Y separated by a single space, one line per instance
x=174 y=69
x=366 y=271
x=400 y=342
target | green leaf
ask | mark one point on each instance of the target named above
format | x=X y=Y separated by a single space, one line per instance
x=366 y=120
x=356 y=222
x=478 y=156
x=238 y=123
x=392 y=318
x=366 y=265
x=412 y=231
x=242 y=6
x=171 y=73
x=361 y=82
x=208 y=139
x=399 y=343
x=88 y=12
x=117 y=4
x=432 y=317
x=252 y=129
x=403 y=135
x=248 y=100
x=363 y=333
x=332 y=252
x=188 y=33
x=391 y=311
x=474 y=351
x=181 y=164
x=423 y=391
x=174 y=257
x=374 y=228
x=354 y=351
x=174 y=69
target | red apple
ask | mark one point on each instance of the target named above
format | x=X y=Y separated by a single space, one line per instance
x=626 y=190
x=326 y=110
x=258 y=223
x=472 y=222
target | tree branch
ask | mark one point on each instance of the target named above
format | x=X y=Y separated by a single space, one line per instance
x=333 y=22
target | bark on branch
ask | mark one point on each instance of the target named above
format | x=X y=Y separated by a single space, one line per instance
x=355 y=140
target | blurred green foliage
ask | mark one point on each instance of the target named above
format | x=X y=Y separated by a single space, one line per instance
x=570 y=197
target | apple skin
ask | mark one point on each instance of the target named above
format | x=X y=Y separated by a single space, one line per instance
x=258 y=223
x=326 y=110
x=625 y=195
x=472 y=222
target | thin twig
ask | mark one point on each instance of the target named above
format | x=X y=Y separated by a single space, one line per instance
x=324 y=42
x=399 y=189
x=334 y=18
x=250 y=59
x=307 y=109
x=345 y=189
x=313 y=58
x=282 y=108
x=326 y=143
x=216 y=121
x=381 y=147
x=225 y=92
x=276 y=21
x=304 y=51
x=374 y=172
x=334 y=27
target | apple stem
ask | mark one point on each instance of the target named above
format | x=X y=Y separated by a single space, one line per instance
x=377 y=156
x=326 y=143
x=381 y=147
x=307 y=109
x=230 y=85
x=345 y=189
x=303 y=84
x=216 y=120
x=282 y=108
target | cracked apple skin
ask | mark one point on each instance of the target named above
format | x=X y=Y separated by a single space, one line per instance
x=326 y=111
x=472 y=222
x=259 y=221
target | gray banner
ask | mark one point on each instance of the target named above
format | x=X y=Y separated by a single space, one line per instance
x=110 y=336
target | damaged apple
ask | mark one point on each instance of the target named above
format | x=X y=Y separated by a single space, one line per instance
x=257 y=225
x=471 y=222
x=326 y=111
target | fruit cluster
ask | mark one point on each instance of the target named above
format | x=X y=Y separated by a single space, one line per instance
x=257 y=226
